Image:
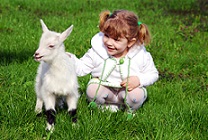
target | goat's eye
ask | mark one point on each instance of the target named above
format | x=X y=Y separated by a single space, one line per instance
x=51 y=46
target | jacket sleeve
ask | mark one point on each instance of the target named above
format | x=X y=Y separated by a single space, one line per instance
x=84 y=65
x=149 y=73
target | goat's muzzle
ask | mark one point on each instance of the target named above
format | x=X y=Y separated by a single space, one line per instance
x=37 y=57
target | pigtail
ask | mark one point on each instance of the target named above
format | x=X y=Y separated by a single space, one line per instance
x=144 y=34
x=103 y=18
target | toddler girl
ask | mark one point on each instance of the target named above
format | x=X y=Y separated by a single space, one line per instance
x=120 y=66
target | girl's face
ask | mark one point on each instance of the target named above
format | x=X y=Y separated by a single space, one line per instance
x=117 y=47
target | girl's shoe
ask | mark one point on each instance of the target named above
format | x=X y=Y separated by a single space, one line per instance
x=112 y=108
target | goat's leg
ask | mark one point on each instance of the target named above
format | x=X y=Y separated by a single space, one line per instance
x=38 y=106
x=51 y=116
x=72 y=107
x=50 y=101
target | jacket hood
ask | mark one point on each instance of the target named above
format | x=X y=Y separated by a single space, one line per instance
x=100 y=49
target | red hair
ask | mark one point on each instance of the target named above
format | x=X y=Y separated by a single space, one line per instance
x=123 y=23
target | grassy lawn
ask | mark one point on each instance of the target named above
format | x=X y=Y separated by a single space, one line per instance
x=177 y=103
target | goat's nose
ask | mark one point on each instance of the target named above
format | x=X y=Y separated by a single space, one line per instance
x=36 y=54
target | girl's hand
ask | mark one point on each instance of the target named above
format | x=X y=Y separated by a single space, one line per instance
x=132 y=83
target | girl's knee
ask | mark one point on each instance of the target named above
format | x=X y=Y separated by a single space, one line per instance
x=100 y=95
x=91 y=91
x=136 y=95
x=136 y=98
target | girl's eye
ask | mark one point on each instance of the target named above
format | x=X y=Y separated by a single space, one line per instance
x=117 y=39
x=106 y=35
x=51 y=46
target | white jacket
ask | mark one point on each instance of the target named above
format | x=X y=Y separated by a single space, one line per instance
x=141 y=64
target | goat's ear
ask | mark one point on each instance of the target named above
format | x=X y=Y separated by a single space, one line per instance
x=44 y=27
x=66 y=33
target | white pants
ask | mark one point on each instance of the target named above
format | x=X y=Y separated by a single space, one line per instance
x=110 y=95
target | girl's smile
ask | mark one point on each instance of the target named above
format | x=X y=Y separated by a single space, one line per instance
x=110 y=49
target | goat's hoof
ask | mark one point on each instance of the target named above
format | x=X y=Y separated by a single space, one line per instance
x=74 y=119
x=72 y=114
x=75 y=125
x=51 y=116
x=50 y=127
x=38 y=111
x=39 y=114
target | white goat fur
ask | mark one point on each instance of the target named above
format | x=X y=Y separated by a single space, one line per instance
x=56 y=73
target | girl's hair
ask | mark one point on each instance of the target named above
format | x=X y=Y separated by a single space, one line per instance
x=123 y=23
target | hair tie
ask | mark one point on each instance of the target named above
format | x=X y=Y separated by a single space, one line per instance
x=139 y=23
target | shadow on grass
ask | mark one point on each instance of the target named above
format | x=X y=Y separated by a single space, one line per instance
x=9 y=57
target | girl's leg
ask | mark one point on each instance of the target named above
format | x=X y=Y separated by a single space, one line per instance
x=134 y=98
x=104 y=94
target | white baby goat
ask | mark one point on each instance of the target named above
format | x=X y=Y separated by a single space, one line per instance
x=56 y=75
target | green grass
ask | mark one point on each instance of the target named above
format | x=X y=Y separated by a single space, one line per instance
x=176 y=108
